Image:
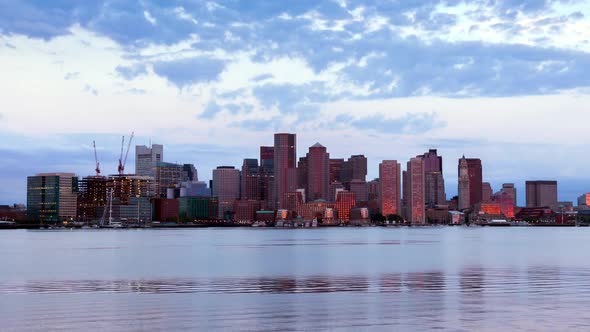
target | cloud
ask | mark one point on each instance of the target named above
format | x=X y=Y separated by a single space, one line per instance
x=410 y=123
x=90 y=90
x=131 y=72
x=188 y=71
x=210 y=110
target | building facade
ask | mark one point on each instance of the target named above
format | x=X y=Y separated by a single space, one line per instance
x=390 y=187
x=285 y=170
x=146 y=159
x=541 y=193
x=52 y=197
x=318 y=173
x=226 y=187
x=470 y=182
x=416 y=213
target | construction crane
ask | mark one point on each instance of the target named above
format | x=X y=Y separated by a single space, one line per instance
x=97 y=169
x=122 y=161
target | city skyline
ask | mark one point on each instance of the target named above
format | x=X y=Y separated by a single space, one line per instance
x=451 y=185
x=501 y=81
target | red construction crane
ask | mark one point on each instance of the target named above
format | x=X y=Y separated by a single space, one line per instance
x=97 y=169
x=122 y=161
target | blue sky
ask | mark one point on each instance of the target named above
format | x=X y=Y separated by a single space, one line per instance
x=503 y=80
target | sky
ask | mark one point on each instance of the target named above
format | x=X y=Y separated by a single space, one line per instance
x=507 y=81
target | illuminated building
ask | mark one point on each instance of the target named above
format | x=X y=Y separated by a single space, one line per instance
x=52 y=197
x=285 y=171
x=584 y=200
x=92 y=197
x=345 y=201
x=541 y=194
x=169 y=175
x=416 y=198
x=390 y=187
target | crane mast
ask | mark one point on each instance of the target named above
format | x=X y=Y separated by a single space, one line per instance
x=97 y=169
x=123 y=160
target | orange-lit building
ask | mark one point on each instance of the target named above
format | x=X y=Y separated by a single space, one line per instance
x=345 y=201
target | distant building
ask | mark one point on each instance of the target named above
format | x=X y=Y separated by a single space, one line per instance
x=541 y=194
x=52 y=197
x=293 y=201
x=584 y=200
x=132 y=196
x=245 y=210
x=355 y=168
x=470 y=182
x=226 y=187
x=390 y=187
x=434 y=182
x=198 y=208
x=334 y=188
x=416 y=198
x=285 y=170
x=166 y=209
x=318 y=173
x=146 y=159
x=486 y=192
x=359 y=188
x=336 y=170
x=373 y=190
x=510 y=190
x=251 y=181
x=92 y=197
x=345 y=202
x=267 y=174
x=169 y=175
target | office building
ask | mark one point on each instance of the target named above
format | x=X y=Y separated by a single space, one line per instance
x=345 y=201
x=318 y=173
x=251 y=181
x=146 y=159
x=486 y=192
x=226 y=187
x=390 y=187
x=416 y=199
x=52 y=197
x=285 y=170
x=434 y=181
x=541 y=194
x=470 y=182
x=359 y=188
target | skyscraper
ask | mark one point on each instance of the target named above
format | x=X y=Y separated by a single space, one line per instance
x=470 y=182
x=146 y=159
x=302 y=173
x=541 y=194
x=226 y=187
x=318 y=173
x=52 y=197
x=251 y=182
x=509 y=189
x=267 y=167
x=169 y=175
x=390 y=187
x=355 y=168
x=285 y=174
x=434 y=181
x=416 y=196
x=335 y=169
x=359 y=188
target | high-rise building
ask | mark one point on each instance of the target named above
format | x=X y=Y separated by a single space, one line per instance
x=132 y=196
x=285 y=171
x=267 y=170
x=302 y=173
x=416 y=197
x=52 y=197
x=359 y=188
x=335 y=169
x=251 y=183
x=318 y=173
x=486 y=192
x=146 y=159
x=92 y=197
x=541 y=194
x=390 y=187
x=470 y=182
x=191 y=172
x=334 y=188
x=373 y=189
x=226 y=187
x=434 y=181
x=355 y=168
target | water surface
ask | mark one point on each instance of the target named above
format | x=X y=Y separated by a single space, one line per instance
x=459 y=279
